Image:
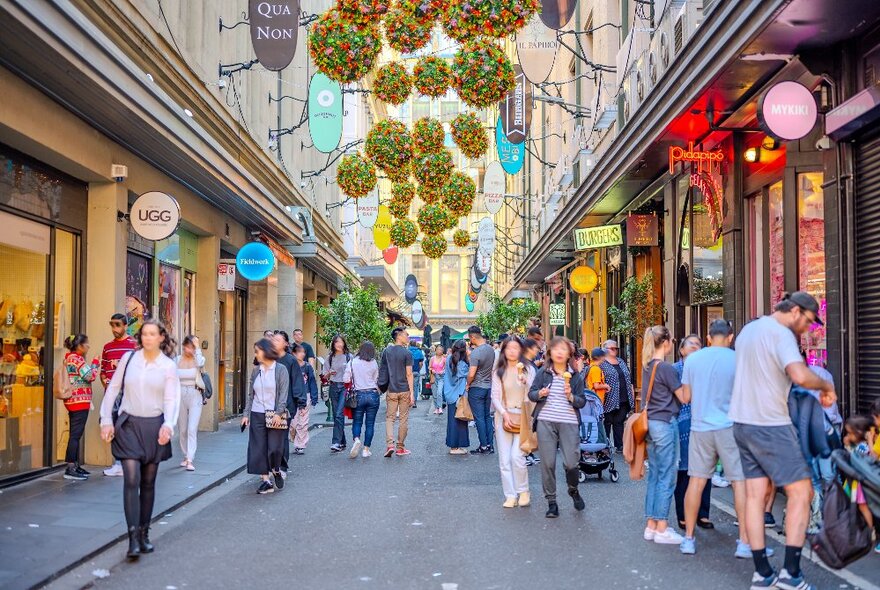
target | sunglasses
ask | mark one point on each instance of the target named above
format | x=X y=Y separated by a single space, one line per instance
x=614 y=348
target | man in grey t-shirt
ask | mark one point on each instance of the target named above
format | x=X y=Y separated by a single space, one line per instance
x=396 y=377
x=479 y=384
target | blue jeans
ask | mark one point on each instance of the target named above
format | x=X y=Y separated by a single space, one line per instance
x=663 y=454
x=417 y=386
x=337 y=406
x=368 y=407
x=480 y=402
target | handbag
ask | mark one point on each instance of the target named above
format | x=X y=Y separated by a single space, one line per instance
x=463 y=409
x=117 y=403
x=514 y=419
x=640 y=424
x=351 y=398
x=61 y=387
x=207 y=388
x=285 y=416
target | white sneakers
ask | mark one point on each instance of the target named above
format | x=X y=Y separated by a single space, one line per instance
x=114 y=470
x=356 y=448
x=367 y=453
x=667 y=537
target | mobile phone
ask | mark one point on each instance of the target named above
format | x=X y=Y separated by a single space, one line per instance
x=243 y=426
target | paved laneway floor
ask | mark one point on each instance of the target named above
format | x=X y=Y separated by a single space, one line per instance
x=428 y=521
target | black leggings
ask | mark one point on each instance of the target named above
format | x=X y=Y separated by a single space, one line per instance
x=77 y=428
x=615 y=421
x=138 y=491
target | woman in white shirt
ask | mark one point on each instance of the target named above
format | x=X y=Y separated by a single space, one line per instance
x=363 y=373
x=189 y=368
x=270 y=383
x=147 y=387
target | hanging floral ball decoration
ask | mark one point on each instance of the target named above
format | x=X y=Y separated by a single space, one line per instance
x=433 y=246
x=407 y=28
x=393 y=84
x=343 y=51
x=451 y=221
x=433 y=219
x=428 y=136
x=402 y=195
x=404 y=233
x=432 y=76
x=429 y=196
x=461 y=238
x=468 y=19
x=400 y=174
x=481 y=73
x=362 y=11
x=433 y=9
x=433 y=170
x=470 y=135
x=459 y=194
x=389 y=145
x=356 y=176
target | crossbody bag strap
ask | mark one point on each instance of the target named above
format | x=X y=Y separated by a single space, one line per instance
x=651 y=384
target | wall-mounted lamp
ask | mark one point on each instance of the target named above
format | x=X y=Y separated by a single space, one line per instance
x=769 y=144
x=752 y=155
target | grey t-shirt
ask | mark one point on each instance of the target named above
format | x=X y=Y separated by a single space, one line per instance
x=663 y=404
x=710 y=373
x=483 y=358
x=395 y=360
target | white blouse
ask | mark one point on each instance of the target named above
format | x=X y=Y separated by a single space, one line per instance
x=264 y=390
x=151 y=389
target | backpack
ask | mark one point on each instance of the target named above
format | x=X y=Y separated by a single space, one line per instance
x=61 y=387
x=845 y=536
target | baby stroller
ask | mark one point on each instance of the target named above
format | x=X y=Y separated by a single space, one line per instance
x=596 y=454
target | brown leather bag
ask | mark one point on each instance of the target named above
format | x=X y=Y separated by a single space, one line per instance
x=640 y=424
x=514 y=419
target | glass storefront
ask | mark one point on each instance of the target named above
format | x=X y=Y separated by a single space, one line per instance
x=776 y=239
x=811 y=257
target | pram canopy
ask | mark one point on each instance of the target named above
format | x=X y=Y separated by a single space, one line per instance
x=593 y=438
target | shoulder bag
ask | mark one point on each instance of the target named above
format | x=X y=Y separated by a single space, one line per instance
x=513 y=419
x=640 y=424
x=270 y=414
x=463 y=409
x=117 y=403
x=61 y=386
x=351 y=396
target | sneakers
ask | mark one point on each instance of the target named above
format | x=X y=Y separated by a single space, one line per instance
x=458 y=451
x=402 y=452
x=688 y=546
x=509 y=502
x=356 y=448
x=366 y=453
x=189 y=466
x=529 y=460
x=80 y=470
x=744 y=550
x=114 y=470
x=481 y=451
x=389 y=451
x=183 y=463
x=524 y=499
x=648 y=535
x=759 y=581
x=266 y=487
x=718 y=481
x=788 y=582
x=298 y=451
x=284 y=475
x=668 y=537
x=877 y=548
x=552 y=510
x=335 y=448
x=769 y=521
x=72 y=473
x=279 y=479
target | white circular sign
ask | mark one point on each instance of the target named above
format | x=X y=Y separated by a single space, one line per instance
x=484 y=263
x=536 y=47
x=154 y=215
x=486 y=235
x=368 y=209
x=417 y=311
x=494 y=187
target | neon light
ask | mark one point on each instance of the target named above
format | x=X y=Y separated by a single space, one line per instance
x=704 y=160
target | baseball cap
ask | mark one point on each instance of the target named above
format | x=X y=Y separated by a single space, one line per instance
x=806 y=302
x=598 y=352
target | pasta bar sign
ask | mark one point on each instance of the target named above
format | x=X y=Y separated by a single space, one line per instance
x=589 y=238
x=274 y=28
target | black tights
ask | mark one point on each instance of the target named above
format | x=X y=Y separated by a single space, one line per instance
x=138 y=491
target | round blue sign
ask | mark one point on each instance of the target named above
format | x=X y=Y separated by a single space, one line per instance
x=255 y=261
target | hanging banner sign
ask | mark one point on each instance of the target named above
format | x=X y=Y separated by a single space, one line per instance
x=390 y=254
x=483 y=263
x=418 y=312
x=641 y=230
x=476 y=285
x=325 y=113
x=410 y=288
x=225 y=277
x=589 y=238
x=274 y=28
x=536 y=47
x=468 y=304
x=154 y=216
x=486 y=235
x=511 y=155
x=255 y=261
x=705 y=161
x=516 y=108
x=368 y=209
x=494 y=187
x=382 y=228
x=788 y=111
x=556 y=13
x=557 y=314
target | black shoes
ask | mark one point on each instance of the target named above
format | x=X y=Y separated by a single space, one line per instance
x=487 y=450
x=552 y=510
x=80 y=470
x=134 y=543
x=279 y=480
x=579 y=503
x=266 y=487
x=144 y=540
x=72 y=473
x=532 y=460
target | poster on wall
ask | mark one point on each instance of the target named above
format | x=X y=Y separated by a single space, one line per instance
x=138 y=282
x=188 y=295
x=169 y=304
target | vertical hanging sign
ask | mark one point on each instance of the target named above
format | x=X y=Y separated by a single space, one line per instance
x=516 y=108
x=274 y=28
x=511 y=155
x=325 y=113
x=557 y=13
x=536 y=48
x=494 y=186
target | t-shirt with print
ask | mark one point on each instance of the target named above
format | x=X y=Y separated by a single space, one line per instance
x=663 y=404
x=483 y=358
x=764 y=348
x=710 y=373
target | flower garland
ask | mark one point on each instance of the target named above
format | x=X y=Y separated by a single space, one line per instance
x=402 y=195
x=481 y=73
x=470 y=135
x=433 y=219
x=434 y=246
x=461 y=238
x=428 y=136
x=459 y=194
x=433 y=170
x=393 y=83
x=343 y=51
x=404 y=233
x=429 y=196
x=389 y=144
x=432 y=76
x=362 y=11
x=356 y=176
x=406 y=29
x=468 y=19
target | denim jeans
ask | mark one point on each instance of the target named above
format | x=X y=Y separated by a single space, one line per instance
x=480 y=402
x=417 y=385
x=663 y=456
x=368 y=407
x=337 y=406
x=437 y=391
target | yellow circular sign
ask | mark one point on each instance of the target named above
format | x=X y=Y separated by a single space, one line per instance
x=583 y=279
x=382 y=228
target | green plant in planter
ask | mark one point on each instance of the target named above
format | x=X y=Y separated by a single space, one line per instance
x=638 y=309
x=355 y=314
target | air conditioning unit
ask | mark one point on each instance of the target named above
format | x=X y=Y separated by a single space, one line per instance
x=658 y=58
x=639 y=83
x=661 y=7
x=624 y=101
x=686 y=23
x=634 y=45
x=562 y=176
x=583 y=166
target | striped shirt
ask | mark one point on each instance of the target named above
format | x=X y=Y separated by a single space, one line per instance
x=557 y=408
x=112 y=354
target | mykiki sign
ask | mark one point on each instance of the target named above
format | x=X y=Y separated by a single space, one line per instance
x=154 y=216
x=588 y=238
x=274 y=27
x=255 y=261
x=788 y=111
x=705 y=161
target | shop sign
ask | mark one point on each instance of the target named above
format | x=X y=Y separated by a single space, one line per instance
x=255 y=261
x=325 y=113
x=486 y=235
x=536 y=47
x=410 y=288
x=225 y=277
x=154 y=216
x=368 y=209
x=557 y=314
x=516 y=108
x=510 y=154
x=853 y=114
x=705 y=160
x=25 y=234
x=494 y=187
x=390 y=254
x=468 y=304
x=418 y=312
x=483 y=264
x=788 y=110
x=557 y=13
x=641 y=230
x=589 y=238
x=382 y=228
x=274 y=28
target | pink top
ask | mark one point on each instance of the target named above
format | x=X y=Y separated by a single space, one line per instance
x=438 y=364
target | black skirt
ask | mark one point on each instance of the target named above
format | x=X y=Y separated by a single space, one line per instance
x=265 y=446
x=138 y=438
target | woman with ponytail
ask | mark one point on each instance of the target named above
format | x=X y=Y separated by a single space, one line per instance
x=80 y=374
x=663 y=398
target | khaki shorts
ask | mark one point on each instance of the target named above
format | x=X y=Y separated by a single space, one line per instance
x=705 y=448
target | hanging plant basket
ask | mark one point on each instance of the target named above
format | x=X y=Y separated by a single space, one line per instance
x=470 y=135
x=461 y=238
x=402 y=196
x=432 y=76
x=434 y=246
x=356 y=176
x=429 y=196
x=343 y=51
x=433 y=219
x=393 y=84
x=433 y=170
x=389 y=145
x=466 y=20
x=401 y=174
x=451 y=221
x=459 y=194
x=428 y=136
x=362 y=11
x=481 y=73
x=407 y=28
x=404 y=233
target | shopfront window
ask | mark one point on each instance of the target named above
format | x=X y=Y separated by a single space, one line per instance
x=811 y=257
x=776 y=238
x=755 y=254
x=189 y=293
x=138 y=286
x=66 y=255
x=450 y=284
x=706 y=238
x=169 y=299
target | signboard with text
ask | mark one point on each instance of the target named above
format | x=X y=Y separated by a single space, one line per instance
x=788 y=110
x=641 y=230
x=274 y=27
x=154 y=215
x=557 y=314
x=589 y=238
x=225 y=277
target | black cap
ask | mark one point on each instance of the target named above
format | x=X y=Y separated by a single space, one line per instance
x=806 y=302
x=598 y=353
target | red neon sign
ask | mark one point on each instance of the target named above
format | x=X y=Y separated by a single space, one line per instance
x=704 y=160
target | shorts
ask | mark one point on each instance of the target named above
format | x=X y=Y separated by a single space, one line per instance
x=772 y=452
x=705 y=448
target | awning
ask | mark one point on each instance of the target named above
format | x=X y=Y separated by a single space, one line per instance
x=378 y=275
